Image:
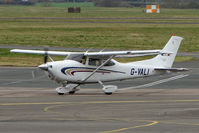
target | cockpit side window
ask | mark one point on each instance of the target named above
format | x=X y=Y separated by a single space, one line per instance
x=83 y=61
x=110 y=63
x=94 y=62
x=98 y=62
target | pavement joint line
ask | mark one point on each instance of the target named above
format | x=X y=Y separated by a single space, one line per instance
x=91 y=119
x=98 y=102
x=188 y=124
x=133 y=127
x=20 y=81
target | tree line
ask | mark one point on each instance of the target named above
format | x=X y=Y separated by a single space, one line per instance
x=118 y=3
x=142 y=3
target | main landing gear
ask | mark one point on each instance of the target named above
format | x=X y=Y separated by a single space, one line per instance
x=108 y=89
x=72 y=88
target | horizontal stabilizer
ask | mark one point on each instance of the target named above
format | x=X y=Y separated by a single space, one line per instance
x=172 y=69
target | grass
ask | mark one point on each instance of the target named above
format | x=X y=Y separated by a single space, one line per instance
x=93 y=12
x=67 y=32
x=116 y=36
x=66 y=4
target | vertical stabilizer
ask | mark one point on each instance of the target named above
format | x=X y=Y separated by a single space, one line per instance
x=166 y=60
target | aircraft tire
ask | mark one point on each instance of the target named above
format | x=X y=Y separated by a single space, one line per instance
x=108 y=93
x=71 y=92
x=60 y=93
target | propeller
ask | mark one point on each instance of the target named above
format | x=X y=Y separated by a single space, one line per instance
x=46 y=55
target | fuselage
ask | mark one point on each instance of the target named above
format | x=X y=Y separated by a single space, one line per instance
x=75 y=72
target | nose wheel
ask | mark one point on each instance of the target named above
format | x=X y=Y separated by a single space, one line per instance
x=110 y=93
x=69 y=88
x=61 y=90
x=71 y=92
x=60 y=93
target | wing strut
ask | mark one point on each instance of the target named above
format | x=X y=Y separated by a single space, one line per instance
x=97 y=68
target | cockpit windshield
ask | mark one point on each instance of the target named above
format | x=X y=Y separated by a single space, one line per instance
x=75 y=56
x=89 y=61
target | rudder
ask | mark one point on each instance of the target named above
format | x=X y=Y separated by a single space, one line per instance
x=166 y=60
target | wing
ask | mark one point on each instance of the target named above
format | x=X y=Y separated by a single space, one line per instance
x=58 y=53
x=126 y=53
x=95 y=54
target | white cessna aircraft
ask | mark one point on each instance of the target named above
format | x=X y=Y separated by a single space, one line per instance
x=98 y=67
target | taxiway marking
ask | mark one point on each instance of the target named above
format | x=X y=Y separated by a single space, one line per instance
x=48 y=109
x=128 y=128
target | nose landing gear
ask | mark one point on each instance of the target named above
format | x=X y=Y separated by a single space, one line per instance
x=69 y=88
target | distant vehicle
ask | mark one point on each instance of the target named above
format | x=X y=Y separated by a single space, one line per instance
x=99 y=67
